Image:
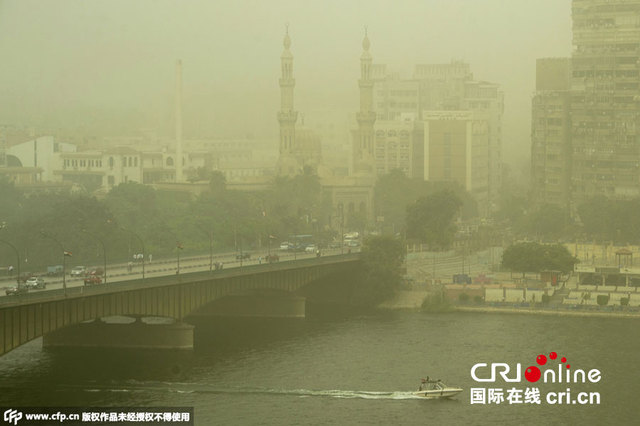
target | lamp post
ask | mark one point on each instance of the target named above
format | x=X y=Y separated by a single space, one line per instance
x=210 y=235
x=179 y=247
x=17 y=255
x=64 y=260
x=341 y=206
x=142 y=243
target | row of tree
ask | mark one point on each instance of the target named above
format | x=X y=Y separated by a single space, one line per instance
x=133 y=214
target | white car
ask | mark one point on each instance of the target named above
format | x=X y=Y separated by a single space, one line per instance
x=78 y=271
x=311 y=248
x=35 y=282
x=285 y=245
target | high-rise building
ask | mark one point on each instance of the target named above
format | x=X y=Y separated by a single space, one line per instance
x=440 y=125
x=586 y=110
x=605 y=102
x=551 y=150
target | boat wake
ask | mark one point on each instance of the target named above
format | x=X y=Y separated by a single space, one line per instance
x=203 y=389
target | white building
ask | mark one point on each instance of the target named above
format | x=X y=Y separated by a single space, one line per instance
x=42 y=152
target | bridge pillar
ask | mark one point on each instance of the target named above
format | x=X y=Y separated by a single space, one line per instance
x=262 y=305
x=136 y=335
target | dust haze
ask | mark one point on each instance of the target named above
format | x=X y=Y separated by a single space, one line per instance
x=108 y=67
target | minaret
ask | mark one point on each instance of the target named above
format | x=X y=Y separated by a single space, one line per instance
x=287 y=164
x=363 y=158
x=178 y=162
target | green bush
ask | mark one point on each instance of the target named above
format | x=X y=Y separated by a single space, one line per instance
x=478 y=299
x=546 y=299
x=624 y=301
x=436 y=303
x=463 y=297
x=602 y=300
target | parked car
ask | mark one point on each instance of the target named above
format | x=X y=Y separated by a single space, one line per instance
x=352 y=243
x=35 y=282
x=311 y=248
x=240 y=256
x=16 y=290
x=78 y=271
x=92 y=279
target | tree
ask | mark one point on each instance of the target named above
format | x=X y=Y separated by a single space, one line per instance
x=382 y=258
x=217 y=182
x=431 y=219
x=535 y=257
x=395 y=191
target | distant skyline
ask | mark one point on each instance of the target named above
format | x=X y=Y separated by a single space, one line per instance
x=73 y=63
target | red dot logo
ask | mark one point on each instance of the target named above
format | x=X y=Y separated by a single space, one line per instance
x=553 y=355
x=541 y=360
x=563 y=359
x=532 y=373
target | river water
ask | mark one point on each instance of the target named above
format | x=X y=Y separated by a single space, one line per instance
x=343 y=369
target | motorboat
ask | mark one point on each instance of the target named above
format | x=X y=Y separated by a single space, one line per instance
x=433 y=389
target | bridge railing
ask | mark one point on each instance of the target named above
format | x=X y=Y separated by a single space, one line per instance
x=172 y=279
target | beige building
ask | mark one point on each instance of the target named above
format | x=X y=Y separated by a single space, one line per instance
x=440 y=125
x=398 y=145
x=605 y=108
x=456 y=147
x=551 y=151
x=586 y=110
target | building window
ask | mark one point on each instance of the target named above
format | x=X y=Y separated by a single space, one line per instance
x=111 y=163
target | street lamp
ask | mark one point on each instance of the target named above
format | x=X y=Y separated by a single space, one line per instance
x=210 y=235
x=179 y=247
x=142 y=243
x=17 y=255
x=64 y=260
x=341 y=206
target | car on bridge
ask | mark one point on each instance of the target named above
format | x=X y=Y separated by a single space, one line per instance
x=16 y=290
x=35 y=282
x=241 y=256
x=54 y=271
x=78 y=271
x=285 y=245
x=92 y=279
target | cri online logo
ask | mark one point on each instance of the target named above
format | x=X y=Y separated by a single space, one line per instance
x=533 y=373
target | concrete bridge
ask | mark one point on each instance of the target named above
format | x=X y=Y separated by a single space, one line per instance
x=28 y=316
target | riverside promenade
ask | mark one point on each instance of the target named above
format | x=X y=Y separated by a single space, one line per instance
x=551 y=311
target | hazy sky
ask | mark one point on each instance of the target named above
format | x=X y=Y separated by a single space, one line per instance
x=83 y=63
